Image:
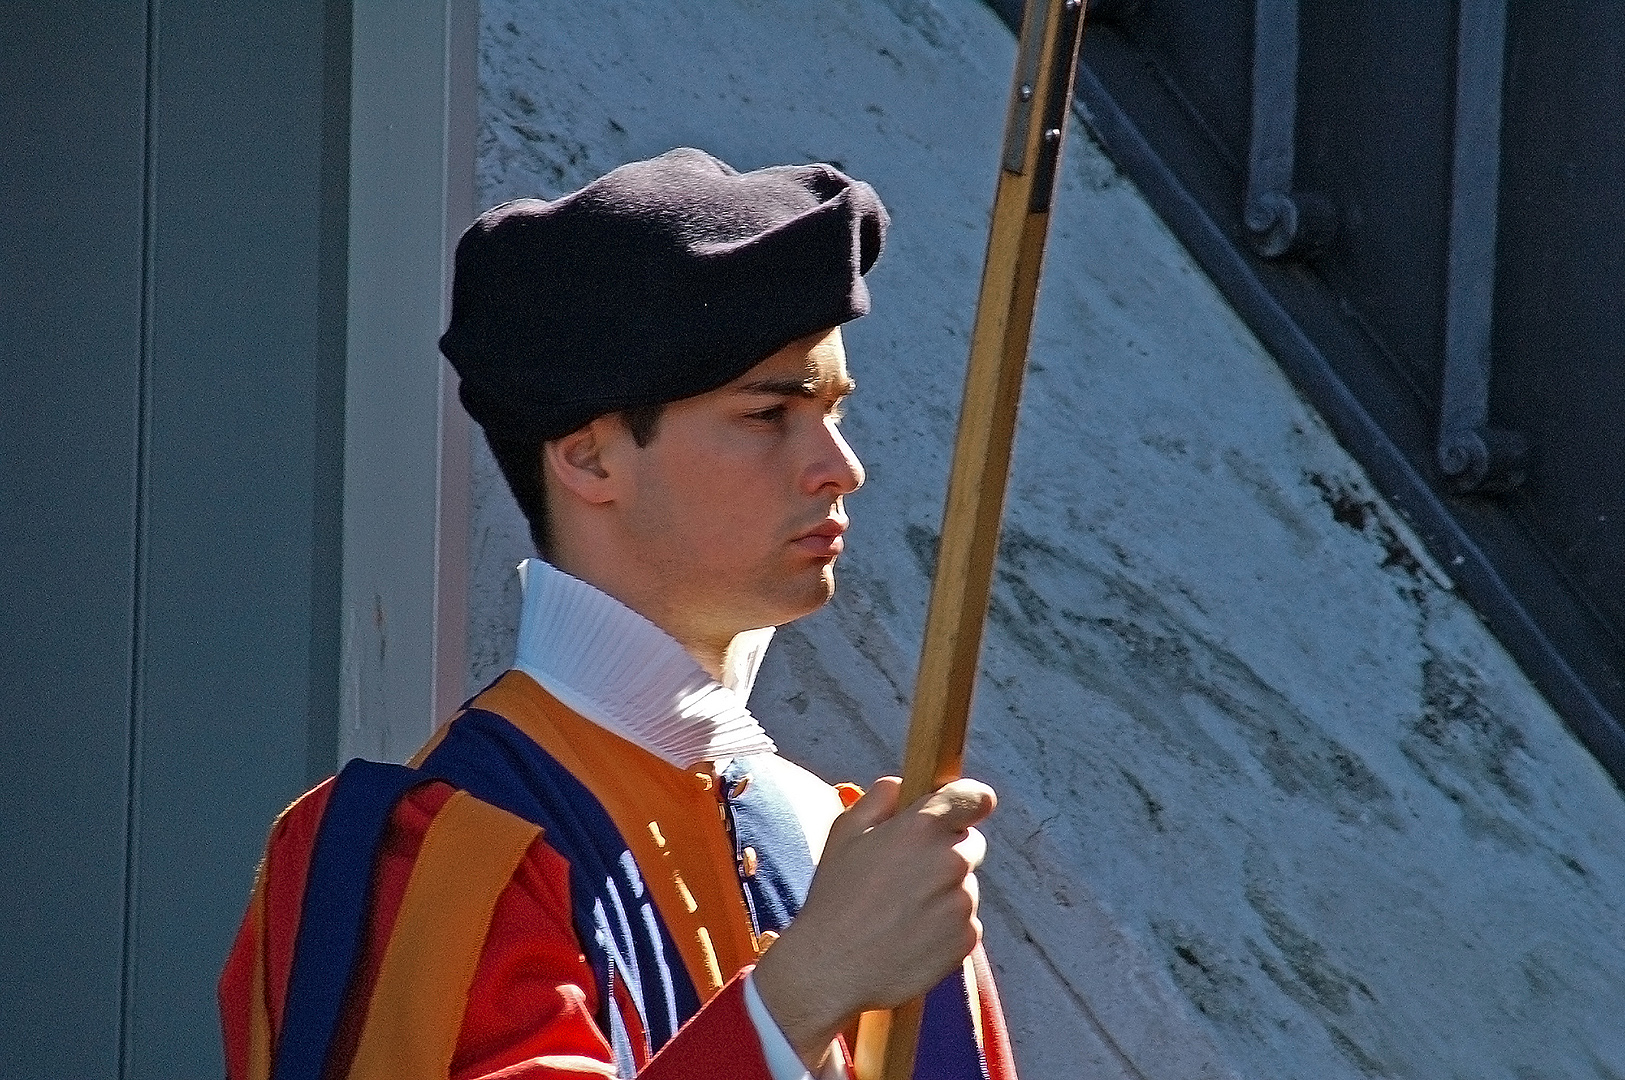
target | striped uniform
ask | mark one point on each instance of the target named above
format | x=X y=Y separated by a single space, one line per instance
x=535 y=896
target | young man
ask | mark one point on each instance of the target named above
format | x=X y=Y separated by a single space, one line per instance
x=600 y=867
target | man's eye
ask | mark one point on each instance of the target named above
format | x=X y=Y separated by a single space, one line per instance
x=771 y=415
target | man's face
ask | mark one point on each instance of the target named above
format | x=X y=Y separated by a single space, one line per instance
x=736 y=505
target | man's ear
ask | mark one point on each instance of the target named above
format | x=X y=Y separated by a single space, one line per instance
x=580 y=461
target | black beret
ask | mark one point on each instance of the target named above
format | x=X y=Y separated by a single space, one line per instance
x=658 y=281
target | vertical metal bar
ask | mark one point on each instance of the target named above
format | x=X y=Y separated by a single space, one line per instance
x=1275 y=111
x=1472 y=456
x=1267 y=211
x=1279 y=221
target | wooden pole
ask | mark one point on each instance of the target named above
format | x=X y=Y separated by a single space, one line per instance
x=1039 y=98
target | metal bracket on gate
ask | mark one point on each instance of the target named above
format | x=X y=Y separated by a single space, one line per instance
x=1473 y=456
x=1279 y=221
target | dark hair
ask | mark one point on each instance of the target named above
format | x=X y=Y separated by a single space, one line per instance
x=521 y=463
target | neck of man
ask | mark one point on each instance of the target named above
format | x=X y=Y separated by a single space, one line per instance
x=708 y=645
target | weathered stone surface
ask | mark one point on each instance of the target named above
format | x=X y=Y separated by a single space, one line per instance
x=1273 y=803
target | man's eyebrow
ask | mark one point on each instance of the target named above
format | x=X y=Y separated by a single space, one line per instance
x=800 y=388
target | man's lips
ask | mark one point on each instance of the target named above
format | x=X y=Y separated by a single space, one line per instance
x=823 y=540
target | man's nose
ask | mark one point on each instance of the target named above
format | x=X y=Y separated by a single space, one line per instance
x=836 y=464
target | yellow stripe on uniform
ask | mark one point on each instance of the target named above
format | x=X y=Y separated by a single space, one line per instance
x=668 y=818
x=468 y=856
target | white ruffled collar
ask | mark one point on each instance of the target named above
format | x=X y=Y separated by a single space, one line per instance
x=624 y=673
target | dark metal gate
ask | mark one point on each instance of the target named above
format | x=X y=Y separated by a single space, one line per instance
x=1416 y=207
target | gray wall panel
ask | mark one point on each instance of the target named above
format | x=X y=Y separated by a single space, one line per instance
x=233 y=514
x=411 y=167
x=70 y=332
x=170 y=461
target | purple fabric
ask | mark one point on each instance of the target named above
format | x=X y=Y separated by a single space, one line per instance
x=947 y=1049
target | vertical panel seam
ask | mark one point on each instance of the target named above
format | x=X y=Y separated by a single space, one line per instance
x=325 y=692
x=144 y=359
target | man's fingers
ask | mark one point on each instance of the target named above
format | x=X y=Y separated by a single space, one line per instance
x=973 y=848
x=877 y=804
x=960 y=804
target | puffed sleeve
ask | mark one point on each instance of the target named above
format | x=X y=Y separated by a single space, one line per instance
x=532 y=1009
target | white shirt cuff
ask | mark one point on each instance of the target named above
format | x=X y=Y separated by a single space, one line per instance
x=782 y=1060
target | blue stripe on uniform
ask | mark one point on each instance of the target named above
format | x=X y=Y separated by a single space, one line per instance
x=488 y=757
x=764 y=820
x=947 y=1047
x=333 y=917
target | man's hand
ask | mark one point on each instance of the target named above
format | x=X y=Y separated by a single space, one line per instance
x=891 y=910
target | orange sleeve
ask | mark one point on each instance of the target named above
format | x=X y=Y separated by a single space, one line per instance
x=256 y=971
x=236 y=992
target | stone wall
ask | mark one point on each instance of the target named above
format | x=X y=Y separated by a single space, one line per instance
x=1273 y=803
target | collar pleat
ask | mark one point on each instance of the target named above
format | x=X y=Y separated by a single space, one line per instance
x=624 y=673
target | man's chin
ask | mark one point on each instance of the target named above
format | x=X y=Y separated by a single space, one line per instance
x=826 y=584
x=814 y=594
